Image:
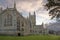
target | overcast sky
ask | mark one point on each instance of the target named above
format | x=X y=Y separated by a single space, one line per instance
x=26 y=6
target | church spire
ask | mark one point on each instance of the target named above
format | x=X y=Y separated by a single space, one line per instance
x=42 y=24
x=29 y=16
x=34 y=13
x=34 y=18
x=14 y=5
x=7 y=6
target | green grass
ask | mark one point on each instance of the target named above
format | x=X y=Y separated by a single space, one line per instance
x=35 y=37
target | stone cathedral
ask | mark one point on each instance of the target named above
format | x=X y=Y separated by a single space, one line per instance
x=13 y=23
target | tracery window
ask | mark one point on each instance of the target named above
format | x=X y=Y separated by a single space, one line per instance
x=18 y=24
x=8 y=20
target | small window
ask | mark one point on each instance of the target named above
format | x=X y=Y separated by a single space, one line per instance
x=22 y=29
x=22 y=25
x=18 y=24
x=30 y=30
x=40 y=31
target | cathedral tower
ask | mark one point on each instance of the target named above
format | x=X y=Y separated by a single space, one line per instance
x=32 y=19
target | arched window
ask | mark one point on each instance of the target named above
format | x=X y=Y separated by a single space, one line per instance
x=8 y=20
x=22 y=29
x=18 y=23
x=22 y=24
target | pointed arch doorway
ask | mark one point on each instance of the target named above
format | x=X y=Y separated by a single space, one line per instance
x=19 y=34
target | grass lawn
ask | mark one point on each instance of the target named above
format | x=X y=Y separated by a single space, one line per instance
x=35 y=37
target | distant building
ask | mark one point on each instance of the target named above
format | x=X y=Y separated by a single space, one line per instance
x=13 y=23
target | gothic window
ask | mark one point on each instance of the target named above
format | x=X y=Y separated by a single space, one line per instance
x=30 y=30
x=22 y=29
x=22 y=24
x=8 y=20
x=18 y=24
x=40 y=31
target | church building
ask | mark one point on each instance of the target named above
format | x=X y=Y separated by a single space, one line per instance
x=13 y=23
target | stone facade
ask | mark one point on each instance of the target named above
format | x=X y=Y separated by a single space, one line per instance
x=13 y=23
